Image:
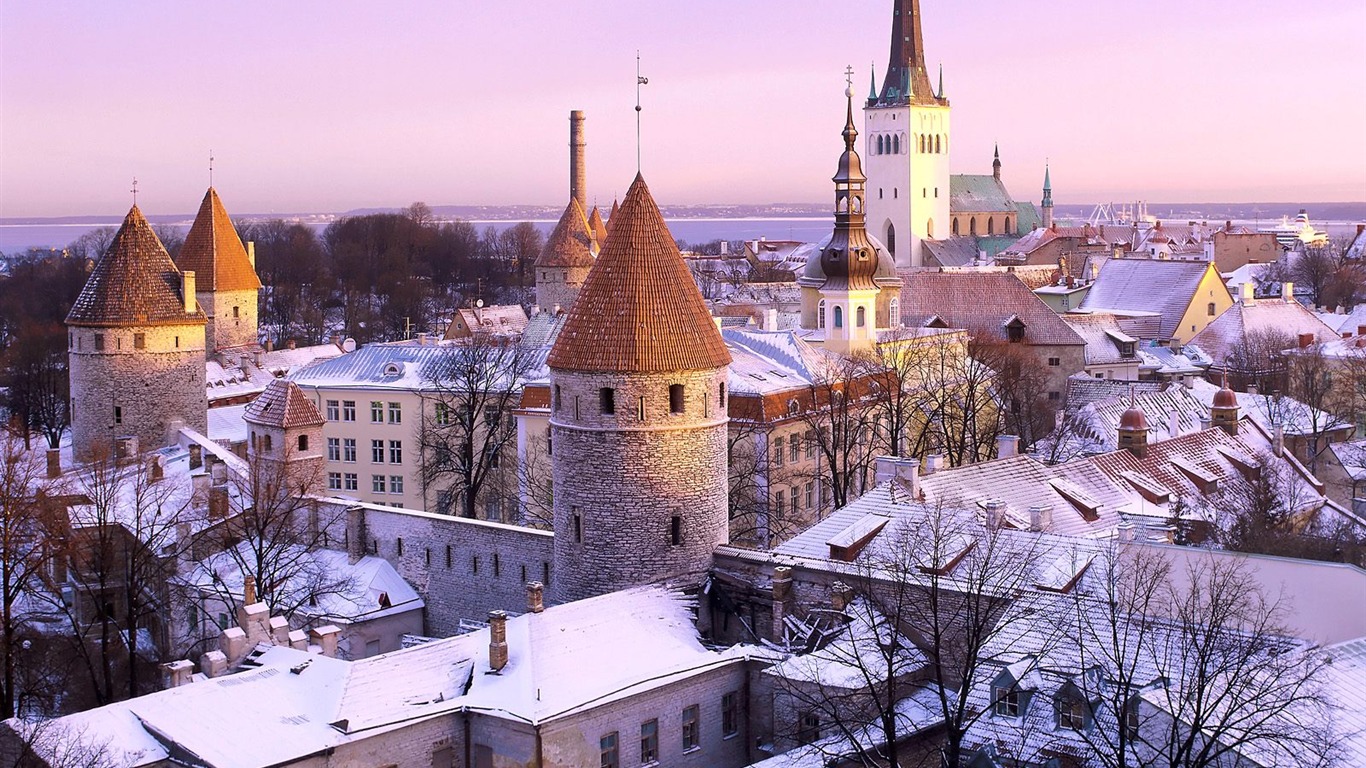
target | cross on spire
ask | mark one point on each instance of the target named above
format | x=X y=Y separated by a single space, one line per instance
x=211 y=167
x=134 y=190
x=849 y=76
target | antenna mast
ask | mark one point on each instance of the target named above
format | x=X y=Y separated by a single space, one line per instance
x=639 y=82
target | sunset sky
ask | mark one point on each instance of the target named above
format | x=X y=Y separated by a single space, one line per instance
x=328 y=106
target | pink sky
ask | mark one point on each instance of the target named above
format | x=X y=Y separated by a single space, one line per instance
x=327 y=106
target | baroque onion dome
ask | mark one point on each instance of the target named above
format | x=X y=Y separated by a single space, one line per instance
x=214 y=252
x=639 y=310
x=850 y=260
x=569 y=243
x=134 y=283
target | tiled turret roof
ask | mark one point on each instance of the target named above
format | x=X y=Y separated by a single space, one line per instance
x=567 y=245
x=283 y=404
x=134 y=283
x=639 y=310
x=214 y=251
x=596 y=227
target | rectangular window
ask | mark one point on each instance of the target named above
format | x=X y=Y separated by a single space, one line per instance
x=333 y=410
x=376 y=451
x=578 y=526
x=649 y=742
x=349 y=450
x=676 y=530
x=778 y=452
x=811 y=444
x=811 y=495
x=139 y=341
x=395 y=451
x=730 y=714
x=377 y=483
x=376 y=412
x=690 y=717
x=676 y=400
x=333 y=449
x=796 y=499
x=779 y=501
x=352 y=481
x=794 y=452
x=808 y=727
x=1007 y=702
x=442 y=415
x=395 y=483
x=1055 y=361
x=607 y=745
x=395 y=413
x=1071 y=714
x=334 y=481
x=607 y=401
x=118 y=414
x=1054 y=396
x=99 y=342
x=348 y=410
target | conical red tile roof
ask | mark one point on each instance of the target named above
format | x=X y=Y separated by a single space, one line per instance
x=283 y=404
x=134 y=283
x=214 y=251
x=567 y=245
x=612 y=215
x=639 y=310
x=596 y=227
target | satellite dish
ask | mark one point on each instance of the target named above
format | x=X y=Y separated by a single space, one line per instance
x=349 y=345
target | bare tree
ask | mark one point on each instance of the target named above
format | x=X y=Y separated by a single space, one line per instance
x=961 y=413
x=26 y=556
x=838 y=411
x=469 y=393
x=53 y=744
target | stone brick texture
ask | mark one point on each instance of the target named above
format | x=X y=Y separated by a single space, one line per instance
x=223 y=329
x=626 y=477
x=559 y=286
x=152 y=386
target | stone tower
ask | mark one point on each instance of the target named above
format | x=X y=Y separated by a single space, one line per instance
x=285 y=443
x=136 y=347
x=563 y=265
x=1047 y=204
x=906 y=125
x=638 y=417
x=849 y=288
x=565 y=261
x=225 y=276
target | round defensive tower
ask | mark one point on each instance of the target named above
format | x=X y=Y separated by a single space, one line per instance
x=638 y=417
x=136 y=347
x=226 y=284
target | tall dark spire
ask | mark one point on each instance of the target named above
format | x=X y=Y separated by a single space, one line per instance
x=996 y=163
x=907 y=79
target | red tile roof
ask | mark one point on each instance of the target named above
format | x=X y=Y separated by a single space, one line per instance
x=134 y=283
x=567 y=245
x=596 y=226
x=639 y=310
x=214 y=251
x=981 y=301
x=283 y=404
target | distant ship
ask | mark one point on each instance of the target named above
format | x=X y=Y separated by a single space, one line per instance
x=1295 y=236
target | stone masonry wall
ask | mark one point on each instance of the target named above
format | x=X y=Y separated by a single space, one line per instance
x=225 y=329
x=628 y=474
x=463 y=568
x=152 y=386
x=559 y=286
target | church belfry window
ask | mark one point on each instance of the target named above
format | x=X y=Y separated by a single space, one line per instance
x=839 y=317
x=861 y=317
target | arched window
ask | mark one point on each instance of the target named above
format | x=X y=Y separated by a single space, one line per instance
x=1209 y=310
x=954 y=225
x=879 y=144
x=991 y=225
x=972 y=226
x=891 y=240
x=896 y=145
x=894 y=313
x=860 y=317
x=929 y=228
x=820 y=314
x=1010 y=227
x=922 y=143
x=839 y=317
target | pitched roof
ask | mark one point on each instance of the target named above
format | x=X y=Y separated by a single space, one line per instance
x=979 y=193
x=568 y=244
x=134 y=283
x=1103 y=337
x=1151 y=285
x=283 y=404
x=1263 y=316
x=214 y=251
x=953 y=252
x=639 y=310
x=981 y=301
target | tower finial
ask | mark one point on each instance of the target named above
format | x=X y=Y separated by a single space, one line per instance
x=872 y=82
x=134 y=190
x=211 y=167
x=941 y=81
x=639 y=82
x=996 y=162
x=850 y=132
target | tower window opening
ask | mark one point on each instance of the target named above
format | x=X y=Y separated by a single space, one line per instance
x=236 y=312
x=118 y=414
x=303 y=442
x=99 y=342
x=991 y=225
x=640 y=409
x=879 y=145
x=861 y=317
x=676 y=400
x=607 y=401
x=839 y=317
x=896 y=145
x=557 y=398
x=578 y=528
x=936 y=146
x=895 y=192
x=139 y=341
x=675 y=530
x=721 y=395
x=820 y=318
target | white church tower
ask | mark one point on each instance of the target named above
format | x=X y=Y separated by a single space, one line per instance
x=906 y=127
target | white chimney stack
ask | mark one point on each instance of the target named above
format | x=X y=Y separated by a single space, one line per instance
x=187 y=291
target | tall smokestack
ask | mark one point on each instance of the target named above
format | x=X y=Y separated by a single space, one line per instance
x=578 y=168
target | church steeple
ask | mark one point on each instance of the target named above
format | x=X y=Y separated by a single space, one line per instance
x=872 y=83
x=907 y=79
x=940 y=95
x=850 y=261
x=996 y=163
x=1047 y=199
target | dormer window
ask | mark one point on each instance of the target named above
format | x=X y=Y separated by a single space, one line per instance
x=1015 y=330
x=1008 y=701
x=1071 y=712
x=392 y=369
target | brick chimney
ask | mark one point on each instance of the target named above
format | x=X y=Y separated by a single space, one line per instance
x=1306 y=340
x=355 y=534
x=498 y=640
x=187 y=291
x=782 y=591
x=1246 y=294
x=248 y=589
x=841 y=595
x=996 y=513
x=535 y=597
x=177 y=673
x=1007 y=446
